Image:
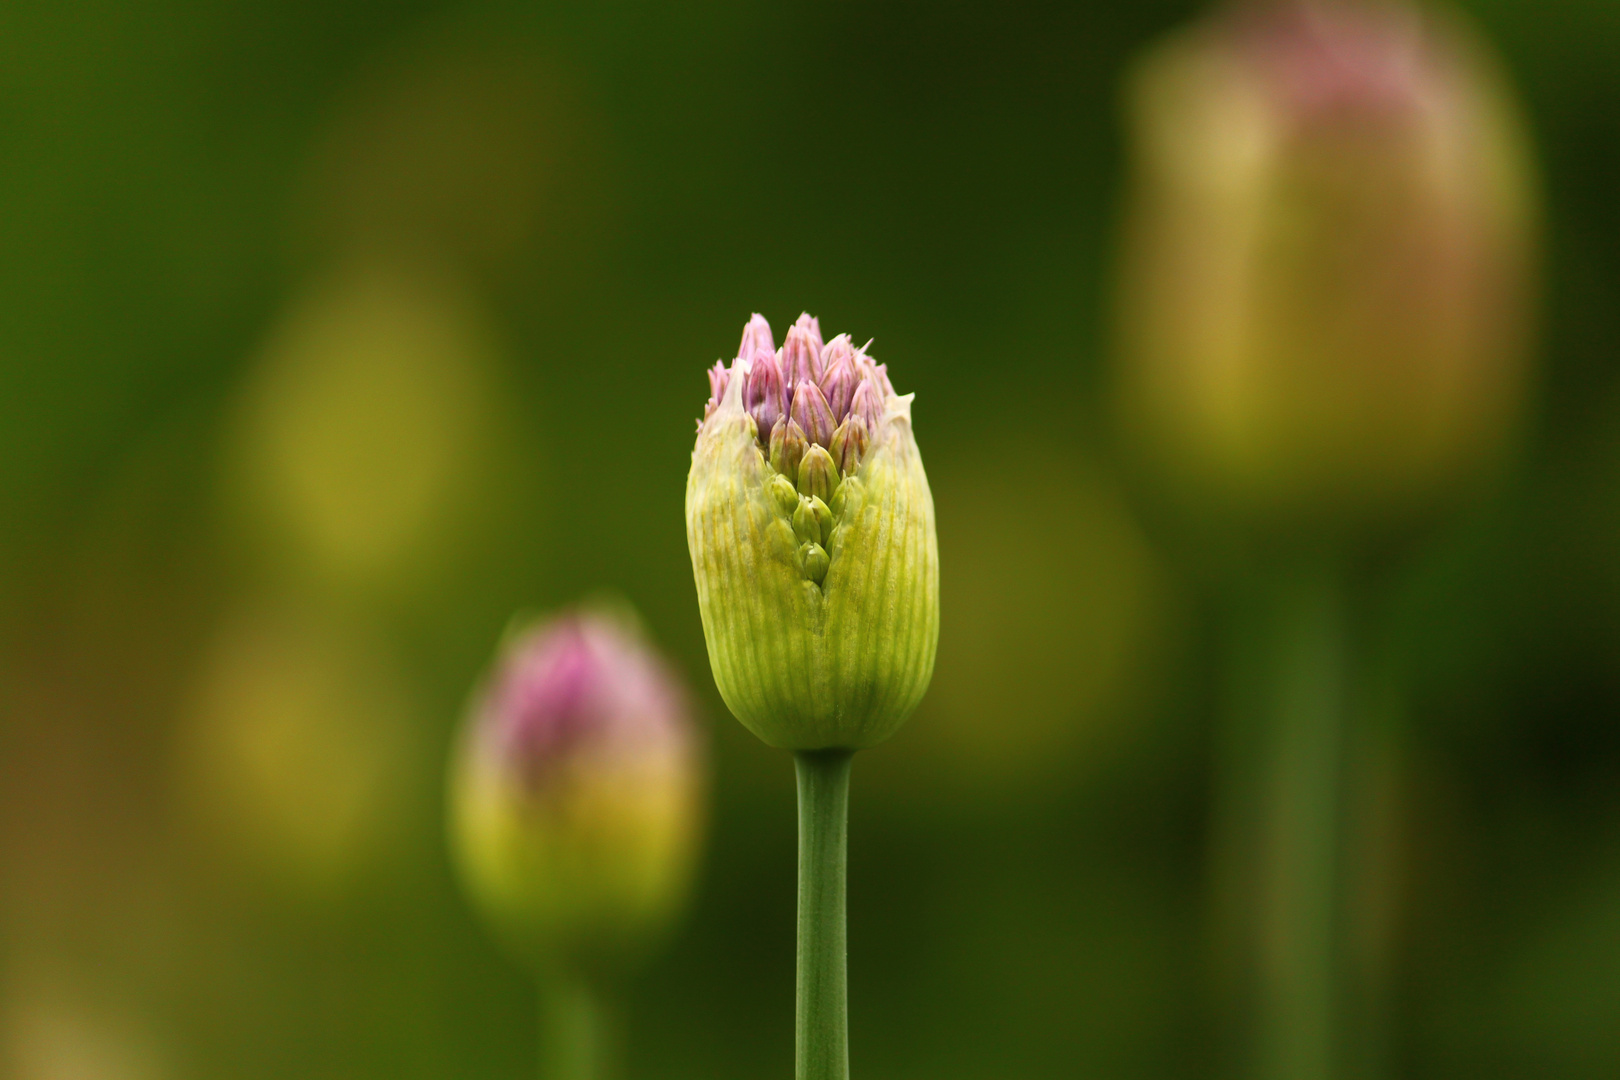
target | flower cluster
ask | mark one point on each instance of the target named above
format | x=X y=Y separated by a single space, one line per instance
x=815 y=407
x=811 y=529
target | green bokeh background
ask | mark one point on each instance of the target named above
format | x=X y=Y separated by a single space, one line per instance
x=593 y=199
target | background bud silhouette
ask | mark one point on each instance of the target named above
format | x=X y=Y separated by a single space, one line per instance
x=1326 y=276
x=574 y=796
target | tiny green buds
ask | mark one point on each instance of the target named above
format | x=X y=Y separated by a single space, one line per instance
x=818 y=476
x=574 y=795
x=813 y=545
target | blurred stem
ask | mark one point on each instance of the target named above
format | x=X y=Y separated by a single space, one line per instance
x=1301 y=829
x=1279 y=824
x=821 y=1038
x=575 y=1042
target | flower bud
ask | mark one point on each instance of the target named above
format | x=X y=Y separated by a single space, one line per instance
x=788 y=445
x=849 y=443
x=766 y=399
x=810 y=325
x=821 y=617
x=818 y=476
x=838 y=349
x=801 y=356
x=812 y=521
x=838 y=383
x=1325 y=287
x=574 y=795
x=812 y=413
x=717 y=384
x=756 y=339
x=868 y=402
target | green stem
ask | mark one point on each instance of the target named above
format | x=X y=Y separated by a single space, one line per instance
x=1300 y=831
x=821 y=1039
x=575 y=1043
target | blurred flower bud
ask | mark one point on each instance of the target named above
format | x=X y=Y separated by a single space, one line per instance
x=817 y=573
x=574 y=798
x=1326 y=281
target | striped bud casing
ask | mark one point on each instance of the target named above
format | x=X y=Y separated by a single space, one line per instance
x=814 y=553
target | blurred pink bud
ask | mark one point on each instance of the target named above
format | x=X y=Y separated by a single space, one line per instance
x=574 y=799
x=1328 y=264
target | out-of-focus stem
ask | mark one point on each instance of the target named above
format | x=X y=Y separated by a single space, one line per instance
x=1300 y=829
x=575 y=1043
x=821 y=1038
x=1278 y=831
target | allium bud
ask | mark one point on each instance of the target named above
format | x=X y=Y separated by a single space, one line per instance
x=838 y=349
x=813 y=414
x=838 y=383
x=717 y=386
x=817 y=576
x=574 y=796
x=818 y=476
x=867 y=402
x=1326 y=278
x=801 y=356
x=810 y=325
x=849 y=443
x=766 y=398
x=788 y=445
x=756 y=339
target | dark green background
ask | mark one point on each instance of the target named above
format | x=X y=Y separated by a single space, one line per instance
x=941 y=177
